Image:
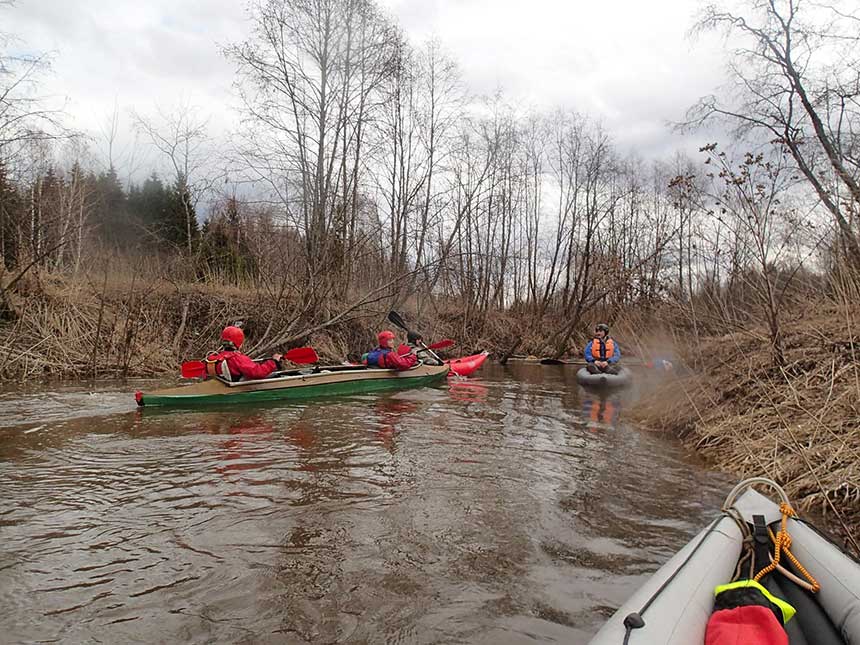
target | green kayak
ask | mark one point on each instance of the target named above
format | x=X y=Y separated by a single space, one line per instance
x=319 y=381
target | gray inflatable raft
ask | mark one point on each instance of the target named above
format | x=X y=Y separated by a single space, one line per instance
x=622 y=379
x=674 y=605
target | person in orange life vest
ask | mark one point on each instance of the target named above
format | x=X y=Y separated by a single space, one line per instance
x=239 y=365
x=386 y=357
x=602 y=354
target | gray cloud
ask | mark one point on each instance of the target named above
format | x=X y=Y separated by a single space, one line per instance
x=627 y=64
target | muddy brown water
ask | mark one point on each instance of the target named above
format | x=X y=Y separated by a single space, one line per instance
x=510 y=508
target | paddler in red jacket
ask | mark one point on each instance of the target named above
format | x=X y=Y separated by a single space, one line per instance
x=386 y=357
x=238 y=364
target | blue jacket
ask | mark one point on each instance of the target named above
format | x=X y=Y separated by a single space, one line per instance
x=616 y=353
x=376 y=357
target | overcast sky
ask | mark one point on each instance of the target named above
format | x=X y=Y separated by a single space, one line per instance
x=626 y=63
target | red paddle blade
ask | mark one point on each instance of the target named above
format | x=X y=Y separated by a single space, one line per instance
x=442 y=344
x=193 y=369
x=302 y=355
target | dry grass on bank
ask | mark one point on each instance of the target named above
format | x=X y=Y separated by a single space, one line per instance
x=127 y=325
x=799 y=425
x=119 y=326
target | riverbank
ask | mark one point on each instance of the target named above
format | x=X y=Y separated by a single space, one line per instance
x=799 y=424
x=134 y=325
x=129 y=328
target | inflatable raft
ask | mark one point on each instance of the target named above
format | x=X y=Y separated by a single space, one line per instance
x=674 y=606
x=466 y=365
x=622 y=379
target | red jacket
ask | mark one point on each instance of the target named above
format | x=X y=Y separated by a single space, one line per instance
x=745 y=613
x=395 y=361
x=390 y=359
x=241 y=365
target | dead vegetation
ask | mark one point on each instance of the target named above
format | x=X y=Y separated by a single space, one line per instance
x=117 y=326
x=799 y=423
x=125 y=326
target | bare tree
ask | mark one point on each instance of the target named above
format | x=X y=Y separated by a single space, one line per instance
x=181 y=137
x=309 y=76
x=758 y=228
x=25 y=114
x=796 y=77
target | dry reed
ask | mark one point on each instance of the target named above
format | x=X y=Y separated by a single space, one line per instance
x=799 y=424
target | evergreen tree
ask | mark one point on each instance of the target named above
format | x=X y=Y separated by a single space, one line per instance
x=224 y=248
x=150 y=205
x=47 y=225
x=181 y=222
x=10 y=217
x=110 y=215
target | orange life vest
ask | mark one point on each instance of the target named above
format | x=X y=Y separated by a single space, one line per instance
x=608 y=349
x=216 y=365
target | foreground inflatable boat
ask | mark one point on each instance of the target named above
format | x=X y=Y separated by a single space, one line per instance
x=674 y=606
x=622 y=379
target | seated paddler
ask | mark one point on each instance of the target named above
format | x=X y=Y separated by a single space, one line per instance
x=386 y=356
x=602 y=353
x=415 y=341
x=231 y=364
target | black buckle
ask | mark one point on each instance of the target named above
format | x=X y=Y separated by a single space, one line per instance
x=760 y=530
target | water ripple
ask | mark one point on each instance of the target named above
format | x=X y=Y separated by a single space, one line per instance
x=491 y=510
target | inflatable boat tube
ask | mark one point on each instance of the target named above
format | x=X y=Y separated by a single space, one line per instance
x=622 y=379
x=674 y=605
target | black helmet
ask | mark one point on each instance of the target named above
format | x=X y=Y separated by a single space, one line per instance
x=413 y=337
x=602 y=327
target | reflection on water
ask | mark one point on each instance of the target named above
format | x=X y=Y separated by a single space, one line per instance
x=508 y=508
x=467 y=390
x=601 y=408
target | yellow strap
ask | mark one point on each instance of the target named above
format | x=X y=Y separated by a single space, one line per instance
x=787 y=610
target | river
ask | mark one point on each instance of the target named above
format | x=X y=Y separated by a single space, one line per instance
x=510 y=508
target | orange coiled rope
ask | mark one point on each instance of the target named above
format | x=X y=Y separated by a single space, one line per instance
x=782 y=543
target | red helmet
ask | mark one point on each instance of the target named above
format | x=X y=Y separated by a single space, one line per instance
x=233 y=335
x=384 y=336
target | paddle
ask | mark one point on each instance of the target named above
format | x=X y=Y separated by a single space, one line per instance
x=394 y=317
x=299 y=355
x=440 y=344
x=551 y=361
x=403 y=350
x=193 y=369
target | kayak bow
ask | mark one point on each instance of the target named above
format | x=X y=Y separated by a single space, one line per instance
x=467 y=365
